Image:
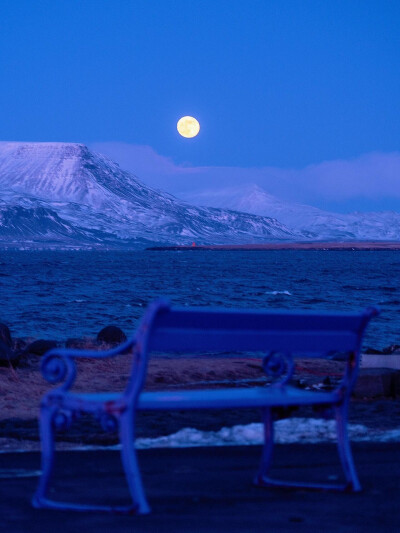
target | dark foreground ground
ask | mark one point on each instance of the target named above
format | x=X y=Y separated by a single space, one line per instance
x=209 y=490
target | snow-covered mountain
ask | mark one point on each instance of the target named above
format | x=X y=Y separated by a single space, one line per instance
x=324 y=225
x=62 y=194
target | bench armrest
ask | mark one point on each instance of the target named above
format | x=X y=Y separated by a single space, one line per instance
x=58 y=365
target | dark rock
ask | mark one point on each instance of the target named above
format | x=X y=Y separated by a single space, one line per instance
x=7 y=356
x=372 y=351
x=20 y=357
x=19 y=345
x=5 y=353
x=111 y=335
x=5 y=335
x=40 y=347
x=394 y=348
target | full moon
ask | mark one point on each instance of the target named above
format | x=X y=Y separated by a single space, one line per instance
x=188 y=127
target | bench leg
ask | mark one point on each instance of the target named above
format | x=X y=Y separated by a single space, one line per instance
x=343 y=443
x=266 y=457
x=130 y=463
x=47 y=438
x=262 y=478
x=47 y=431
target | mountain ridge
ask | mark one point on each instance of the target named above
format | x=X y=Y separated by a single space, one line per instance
x=91 y=200
x=325 y=225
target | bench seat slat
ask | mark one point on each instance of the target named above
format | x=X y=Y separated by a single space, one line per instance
x=272 y=396
x=221 y=398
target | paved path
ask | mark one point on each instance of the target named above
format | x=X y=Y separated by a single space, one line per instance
x=209 y=490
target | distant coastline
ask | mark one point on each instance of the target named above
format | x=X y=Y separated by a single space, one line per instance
x=334 y=246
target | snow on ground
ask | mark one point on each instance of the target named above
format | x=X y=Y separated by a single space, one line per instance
x=288 y=431
x=291 y=430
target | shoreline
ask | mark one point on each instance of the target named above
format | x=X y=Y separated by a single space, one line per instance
x=312 y=246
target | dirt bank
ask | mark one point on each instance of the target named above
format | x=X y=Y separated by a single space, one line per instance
x=21 y=390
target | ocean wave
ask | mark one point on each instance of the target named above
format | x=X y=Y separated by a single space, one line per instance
x=275 y=293
x=108 y=282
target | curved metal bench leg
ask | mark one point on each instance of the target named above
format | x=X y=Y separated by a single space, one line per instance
x=262 y=478
x=129 y=460
x=344 y=449
x=48 y=445
x=130 y=463
x=266 y=458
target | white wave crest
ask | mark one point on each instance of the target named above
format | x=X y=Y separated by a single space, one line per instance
x=288 y=293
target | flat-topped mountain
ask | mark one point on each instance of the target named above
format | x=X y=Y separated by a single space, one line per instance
x=62 y=194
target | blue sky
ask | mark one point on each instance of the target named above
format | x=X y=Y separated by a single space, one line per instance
x=281 y=85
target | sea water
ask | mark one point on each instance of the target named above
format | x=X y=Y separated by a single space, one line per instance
x=62 y=294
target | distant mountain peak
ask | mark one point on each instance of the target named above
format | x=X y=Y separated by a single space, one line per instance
x=308 y=220
x=98 y=201
x=249 y=198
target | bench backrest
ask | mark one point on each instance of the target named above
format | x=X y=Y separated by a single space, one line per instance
x=196 y=330
x=301 y=333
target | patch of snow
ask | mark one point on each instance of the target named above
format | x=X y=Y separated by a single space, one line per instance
x=290 y=430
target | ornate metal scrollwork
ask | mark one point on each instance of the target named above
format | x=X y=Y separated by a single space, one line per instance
x=109 y=422
x=279 y=366
x=56 y=368
x=62 y=420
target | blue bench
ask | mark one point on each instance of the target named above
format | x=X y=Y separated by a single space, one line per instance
x=280 y=336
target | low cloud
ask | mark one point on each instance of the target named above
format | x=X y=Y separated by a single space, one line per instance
x=368 y=182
